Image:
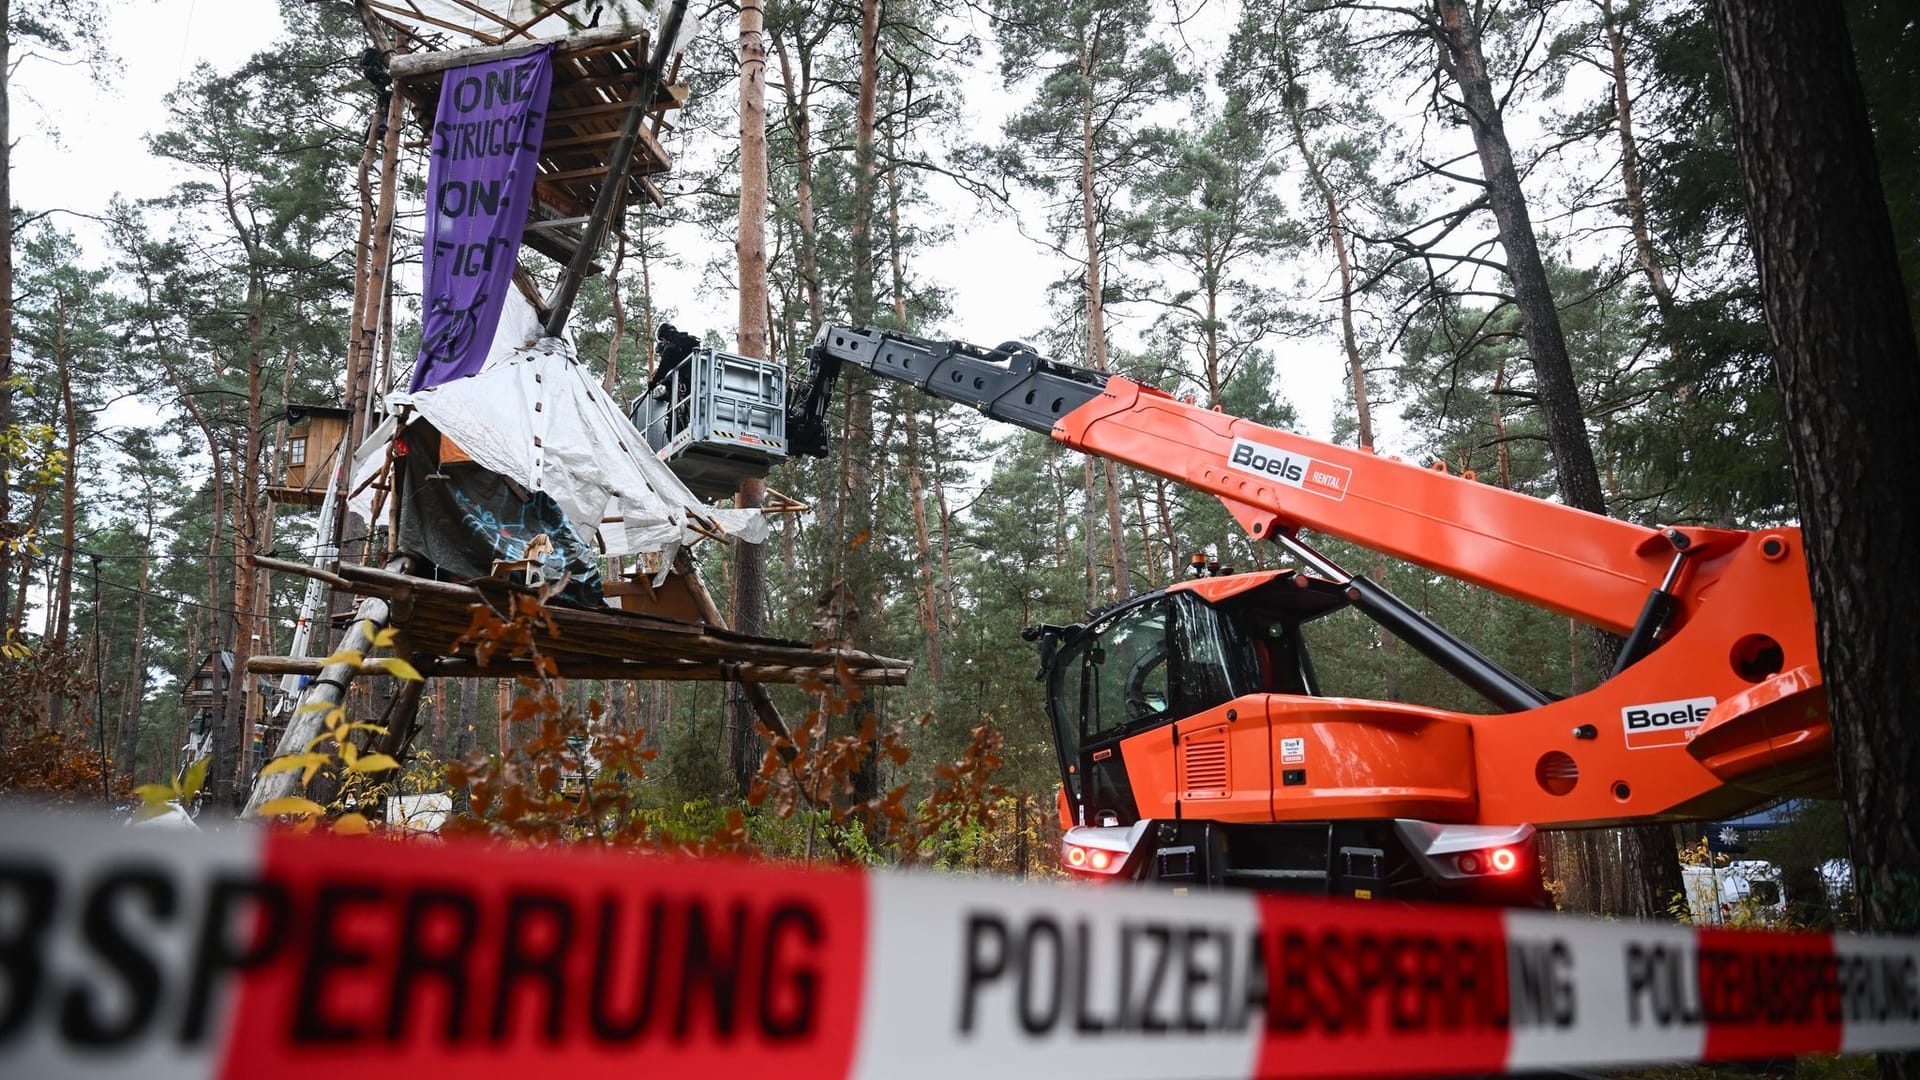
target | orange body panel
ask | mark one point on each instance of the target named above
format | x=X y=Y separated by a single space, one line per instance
x=1365 y=759
x=1359 y=759
x=1736 y=667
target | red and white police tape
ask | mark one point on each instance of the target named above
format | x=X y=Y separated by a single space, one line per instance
x=249 y=954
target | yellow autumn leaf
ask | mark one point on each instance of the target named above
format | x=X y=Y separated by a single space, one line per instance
x=352 y=825
x=385 y=638
x=154 y=793
x=400 y=669
x=373 y=763
x=196 y=777
x=291 y=804
x=151 y=810
x=290 y=762
x=344 y=656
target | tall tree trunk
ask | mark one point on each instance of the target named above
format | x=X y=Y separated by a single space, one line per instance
x=1653 y=862
x=1559 y=397
x=1849 y=370
x=750 y=560
x=1097 y=336
x=946 y=524
x=1090 y=534
x=799 y=121
x=923 y=548
x=860 y=597
x=916 y=493
x=229 y=739
x=1630 y=167
x=62 y=614
x=8 y=535
x=133 y=696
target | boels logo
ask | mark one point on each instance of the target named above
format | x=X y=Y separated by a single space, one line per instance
x=1664 y=723
x=1293 y=470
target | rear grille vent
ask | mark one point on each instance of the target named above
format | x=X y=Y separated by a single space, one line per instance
x=1205 y=764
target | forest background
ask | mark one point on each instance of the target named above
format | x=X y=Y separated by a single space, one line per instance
x=1278 y=208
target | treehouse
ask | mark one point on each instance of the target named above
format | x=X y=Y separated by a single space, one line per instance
x=316 y=437
x=206 y=688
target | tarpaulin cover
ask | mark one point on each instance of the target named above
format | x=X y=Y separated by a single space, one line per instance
x=534 y=18
x=463 y=519
x=536 y=417
x=486 y=150
x=542 y=18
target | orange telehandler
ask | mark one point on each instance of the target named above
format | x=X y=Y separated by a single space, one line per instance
x=1195 y=745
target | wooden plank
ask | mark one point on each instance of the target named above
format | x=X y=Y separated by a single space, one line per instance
x=603 y=109
x=555 y=223
x=453 y=667
x=591 y=138
x=423 y=67
x=574 y=174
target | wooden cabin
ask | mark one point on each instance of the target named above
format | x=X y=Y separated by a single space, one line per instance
x=315 y=436
x=207 y=686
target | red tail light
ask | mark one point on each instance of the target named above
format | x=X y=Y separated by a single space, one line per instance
x=1092 y=860
x=1500 y=860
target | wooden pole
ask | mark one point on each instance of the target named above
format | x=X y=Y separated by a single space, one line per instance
x=323 y=694
x=756 y=694
x=689 y=671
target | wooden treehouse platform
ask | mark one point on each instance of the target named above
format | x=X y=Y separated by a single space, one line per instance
x=597 y=76
x=433 y=616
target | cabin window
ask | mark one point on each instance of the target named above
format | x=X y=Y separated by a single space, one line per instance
x=297 y=450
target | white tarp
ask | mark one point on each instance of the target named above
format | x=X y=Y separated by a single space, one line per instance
x=538 y=17
x=534 y=416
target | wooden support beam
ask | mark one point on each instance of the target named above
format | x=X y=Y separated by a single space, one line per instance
x=555 y=223
x=582 y=111
x=576 y=174
x=425 y=68
x=406 y=721
x=455 y=667
x=283 y=566
x=756 y=695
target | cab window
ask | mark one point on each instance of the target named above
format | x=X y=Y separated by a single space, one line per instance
x=1127 y=671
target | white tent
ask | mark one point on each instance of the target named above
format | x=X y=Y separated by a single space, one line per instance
x=533 y=415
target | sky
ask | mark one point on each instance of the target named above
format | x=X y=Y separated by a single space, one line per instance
x=82 y=141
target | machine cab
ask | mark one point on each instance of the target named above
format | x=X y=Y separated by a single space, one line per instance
x=1159 y=658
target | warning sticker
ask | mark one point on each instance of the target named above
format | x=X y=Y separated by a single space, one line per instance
x=1293 y=751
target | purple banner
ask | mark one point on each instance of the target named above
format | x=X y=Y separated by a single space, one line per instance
x=486 y=149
